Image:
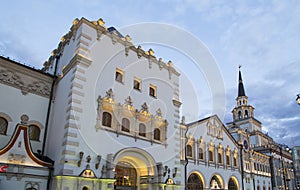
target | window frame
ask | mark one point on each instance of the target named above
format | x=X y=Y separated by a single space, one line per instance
x=125 y=127
x=107 y=121
x=4 y=127
x=119 y=72
x=139 y=82
x=34 y=132
x=142 y=133
x=154 y=89
x=156 y=134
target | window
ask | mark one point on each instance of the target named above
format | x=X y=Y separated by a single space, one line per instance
x=152 y=90
x=210 y=156
x=142 y=130
x=137 y=84
x=240 y=115
x=34 y=132
x=119 y=75
x=246 y=113
x=189 y=151
x=106 y=119
x=220 y=158
x=227 y=160
x=201 y=156
x=156 y=134
x=3 y=126
x=234 y=161
x=125 y=125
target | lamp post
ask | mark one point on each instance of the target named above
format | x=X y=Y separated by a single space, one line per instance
x=298 y=99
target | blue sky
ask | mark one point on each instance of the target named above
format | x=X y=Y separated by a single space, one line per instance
x=262 y=36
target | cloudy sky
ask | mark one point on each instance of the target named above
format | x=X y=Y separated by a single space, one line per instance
x=262 y=36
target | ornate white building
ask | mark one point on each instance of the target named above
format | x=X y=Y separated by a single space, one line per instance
x=105 y=114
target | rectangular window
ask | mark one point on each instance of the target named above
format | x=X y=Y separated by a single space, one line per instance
x=137 y=84
x=119 y=75
x=152 y=90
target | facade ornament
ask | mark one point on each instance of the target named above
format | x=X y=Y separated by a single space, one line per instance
x=144 y=107
x=170 y=68
x=139 y=51
x=128 y=101
x=24 y=119
x=158 y=112
x=110 y=94
x=98 y=161
x=160 y=63
x=183 y=120
x=39 y=87
x=80 y=158
x=11 y=78
x=150 y=54
x=114 y=37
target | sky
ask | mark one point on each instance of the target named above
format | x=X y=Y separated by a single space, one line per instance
x=262 y=36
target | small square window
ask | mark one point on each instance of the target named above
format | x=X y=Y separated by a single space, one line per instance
x=152 y=90
x=119 y=75
x=137 y=84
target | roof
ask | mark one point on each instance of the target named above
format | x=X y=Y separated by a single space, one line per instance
x=241 y=90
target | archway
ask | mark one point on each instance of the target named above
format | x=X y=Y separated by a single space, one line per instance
x=233 y=184
x=133 y=166
x=216 y=182
x=195 y=182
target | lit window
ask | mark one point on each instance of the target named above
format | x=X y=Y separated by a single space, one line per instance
x=142 y=130
x=125 y=125
x=119 y=75
x=152 y=90
x=157 y=134
x=137 y=84
x=106 y=119
x=3 y=126
x=189 y=151
x=34 y=132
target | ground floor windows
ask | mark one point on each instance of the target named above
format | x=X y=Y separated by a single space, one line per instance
x=194 y=182
x=232 y=184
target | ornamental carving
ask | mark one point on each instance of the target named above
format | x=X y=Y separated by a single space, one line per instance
x=11 y=78
x=16 y=158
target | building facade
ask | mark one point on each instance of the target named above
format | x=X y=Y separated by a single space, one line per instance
x=105 y=114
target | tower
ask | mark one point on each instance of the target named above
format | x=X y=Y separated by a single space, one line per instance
x=242 y=110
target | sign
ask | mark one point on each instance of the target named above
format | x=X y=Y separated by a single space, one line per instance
x=3 y=169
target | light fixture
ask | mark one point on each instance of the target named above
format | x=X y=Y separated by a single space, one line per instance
x=298 y=99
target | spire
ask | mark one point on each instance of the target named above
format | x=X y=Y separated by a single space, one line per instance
x=241 y=90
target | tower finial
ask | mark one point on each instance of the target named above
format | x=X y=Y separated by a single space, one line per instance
x=241 y=90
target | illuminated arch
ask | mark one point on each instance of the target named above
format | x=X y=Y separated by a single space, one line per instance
x=235 y=180
x=141 y=160
x=200 y=176
x=218 y=178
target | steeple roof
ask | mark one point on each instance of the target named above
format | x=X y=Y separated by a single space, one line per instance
x=241 y=90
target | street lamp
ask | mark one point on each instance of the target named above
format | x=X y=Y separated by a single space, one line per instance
x=298 y=99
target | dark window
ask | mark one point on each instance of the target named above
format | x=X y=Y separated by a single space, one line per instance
x=34 y=132
x=246 y=113
x=142 y=130
x=106 y=119
x=240 y=115
x=232 y=185
x=201 y=156
x=137 y=84
x=227 y=160
x=152 y=91
x=189 y=151
x=157 y=134
x=210 y=156
x=194 y=182
x=234 y=161
x=119 y=76
x=125 y=125
x=219 y=158
x=3 y=126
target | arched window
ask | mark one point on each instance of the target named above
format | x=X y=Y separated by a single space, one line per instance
x=227 y=160
x=106 y=119
x=220 y=158
x=210 y=156
x=240 y=115
x=194 y=182
x=156 y=134
x=142 y=130
x=258 y=188
x=3 y=126
x=189 y=151
x=85 y=188
x=235 y=161
x=34 y=132
x=232 y=185
x=246 y=113
x=201 y=156
x=125 y=125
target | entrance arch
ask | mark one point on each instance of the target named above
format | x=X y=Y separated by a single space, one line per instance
x=216 y=182
x=195 y=182
x=133 y=166
x=233 y=183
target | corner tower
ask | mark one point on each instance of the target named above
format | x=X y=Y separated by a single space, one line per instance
x=242 y=109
